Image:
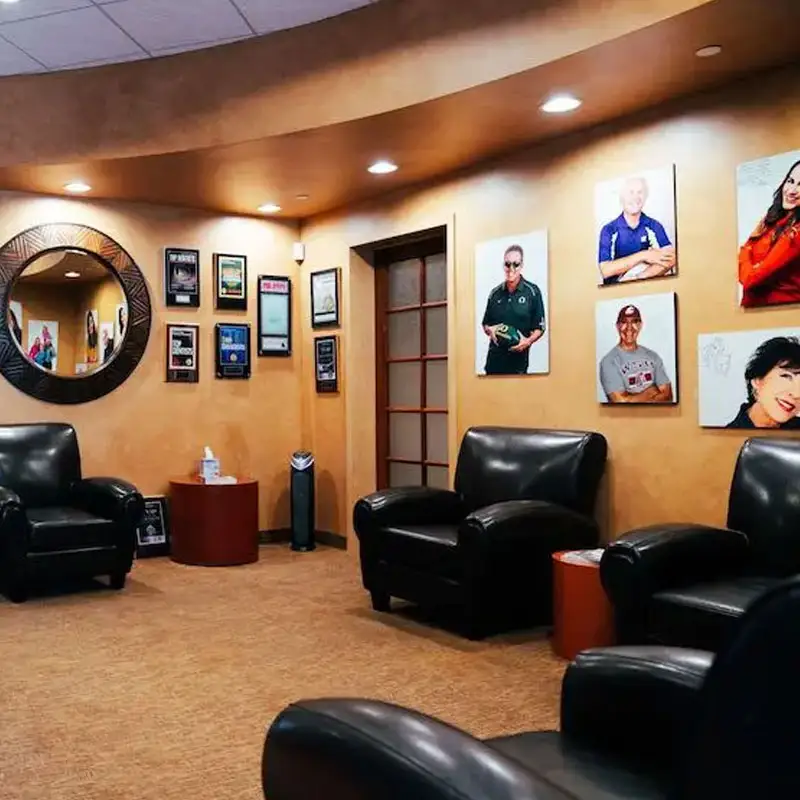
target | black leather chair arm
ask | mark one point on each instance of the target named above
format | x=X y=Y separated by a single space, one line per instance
x=343 y=749
x=552 y=527
x=640 y=702
x=12 y=513
x=648 y=560
x=407 y=505
x=110 y=498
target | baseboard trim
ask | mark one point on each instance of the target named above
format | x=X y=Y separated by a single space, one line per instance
x=280 y=535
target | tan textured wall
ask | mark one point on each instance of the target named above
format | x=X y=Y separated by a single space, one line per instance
x=662 y=465
x=148 y=430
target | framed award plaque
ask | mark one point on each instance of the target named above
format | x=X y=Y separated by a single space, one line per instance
x=325 y=298
x=152 y=535
x=182 y=277
x=230 y=282
x=274 y=315
x=326 y=363
x=232 y=349
x=182 y=353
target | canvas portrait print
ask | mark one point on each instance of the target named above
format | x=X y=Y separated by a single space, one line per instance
x=636 y=346
x=768 y=208
x=635 y=226
x=43 y=343
x=92 y=335
x=511 y=325
x=750 y=379
x=106 y=341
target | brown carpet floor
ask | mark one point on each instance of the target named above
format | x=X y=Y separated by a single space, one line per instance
x=164 y=690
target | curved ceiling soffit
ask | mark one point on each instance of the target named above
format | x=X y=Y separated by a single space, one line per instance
x=366 y=62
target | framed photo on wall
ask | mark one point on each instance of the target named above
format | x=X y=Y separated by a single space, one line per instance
x=182 y=277
x=325 y=298
x=232 y=349
x=326 y=364
x=230 y=282
x=635 y=226
x=274 y=315
x=636 y=347
x=768 y=211
x=183 y=346
x=750 y=379
x=511 y=320
x=152 y=536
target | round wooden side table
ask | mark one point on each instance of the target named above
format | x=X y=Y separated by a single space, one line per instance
x=213 y=524
x=582 y=613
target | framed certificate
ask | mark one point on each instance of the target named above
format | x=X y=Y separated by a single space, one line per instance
x=325 y=298
x=182 y=277
x=274 y=315
x=182 y=353
x=152 y=535
x=232 y=349
x=230 y=282
x=326 y=363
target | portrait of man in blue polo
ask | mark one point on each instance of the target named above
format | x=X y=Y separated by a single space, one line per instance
x=514 y=319
x=635 y=245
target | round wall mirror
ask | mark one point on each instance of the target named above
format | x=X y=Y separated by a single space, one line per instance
x=67 y=312
x=76 y=313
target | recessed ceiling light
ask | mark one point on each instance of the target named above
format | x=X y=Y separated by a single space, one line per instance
x=708 y=52
x=382 y=167
x=560 y=104
x=301 y=197
x=77 y=187
x=269 y=208
x=9 y=1
x=67 y=274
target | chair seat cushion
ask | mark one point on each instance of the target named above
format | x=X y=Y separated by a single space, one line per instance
x=704 y=615
x=62 y=528
x=580 y=773
x=429 y=548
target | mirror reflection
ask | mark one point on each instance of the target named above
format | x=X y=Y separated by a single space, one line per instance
x=67 y=313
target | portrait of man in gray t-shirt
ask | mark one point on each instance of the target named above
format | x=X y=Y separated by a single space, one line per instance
x=630 y=373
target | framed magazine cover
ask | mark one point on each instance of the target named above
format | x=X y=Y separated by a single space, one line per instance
x=152 y=536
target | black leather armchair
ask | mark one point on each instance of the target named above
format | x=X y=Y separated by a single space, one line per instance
x=688 y=585
x=55 y=524
x=520 y=495
x=646 y=722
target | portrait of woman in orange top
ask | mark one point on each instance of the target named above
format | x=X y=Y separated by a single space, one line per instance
x=769 y=260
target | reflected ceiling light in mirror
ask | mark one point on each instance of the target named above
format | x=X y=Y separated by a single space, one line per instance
x=77 y=187
x=708 y=52
x=9 y=1
x=72 y=274
x=301 y=197
x=382 y=167
x=560 y=104
x=269 y=208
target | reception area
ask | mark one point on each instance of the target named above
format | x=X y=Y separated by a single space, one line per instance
x=399 y=400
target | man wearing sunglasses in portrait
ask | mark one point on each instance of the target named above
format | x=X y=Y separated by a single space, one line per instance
x=518 y=304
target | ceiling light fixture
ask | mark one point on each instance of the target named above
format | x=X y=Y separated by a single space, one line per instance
x=70 y=274
x=269 y=208
x=77 y=187
x=560 y=104
x=708 y=52
x=301 y=197
x=382 y=167
x=9 y=1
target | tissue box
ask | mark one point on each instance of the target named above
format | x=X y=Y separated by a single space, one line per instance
x=209 y=469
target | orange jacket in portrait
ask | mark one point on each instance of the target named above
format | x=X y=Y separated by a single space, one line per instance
x=770 y=271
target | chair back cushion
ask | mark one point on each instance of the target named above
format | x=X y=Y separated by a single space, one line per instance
x=764 y=503
x=498 y=464
x=747 y=739
x=40 y=462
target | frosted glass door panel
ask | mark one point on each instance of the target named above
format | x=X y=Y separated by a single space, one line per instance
x=405 y=436
x=405 y=384
x=435 y=278
x=436 y=377
x=435 y=331
x=405 y=475
x=438 y=478
x=404 y=334
x=404 y=284
x=437 y=437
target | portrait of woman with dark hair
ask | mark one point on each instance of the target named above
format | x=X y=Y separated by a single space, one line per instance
x=772 y=378
x=13 y=324
x=91 y=337
x=769 y=259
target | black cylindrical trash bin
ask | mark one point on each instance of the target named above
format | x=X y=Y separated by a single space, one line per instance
x=302 y=494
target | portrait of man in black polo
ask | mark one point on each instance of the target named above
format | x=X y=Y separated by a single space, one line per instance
x=514 y=318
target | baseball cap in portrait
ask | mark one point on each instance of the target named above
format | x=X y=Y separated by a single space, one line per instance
x=628 y=312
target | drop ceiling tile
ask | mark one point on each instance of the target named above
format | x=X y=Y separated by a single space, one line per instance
x=272 y=15
x=38 y=8
x=197 y=46
x=13 y=60
x=161 y=24
x=71 y=37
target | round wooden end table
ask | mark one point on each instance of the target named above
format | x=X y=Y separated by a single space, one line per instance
x=213 y=524
x=582 y=614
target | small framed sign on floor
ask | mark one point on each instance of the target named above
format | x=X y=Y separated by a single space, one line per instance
x=152 y=536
